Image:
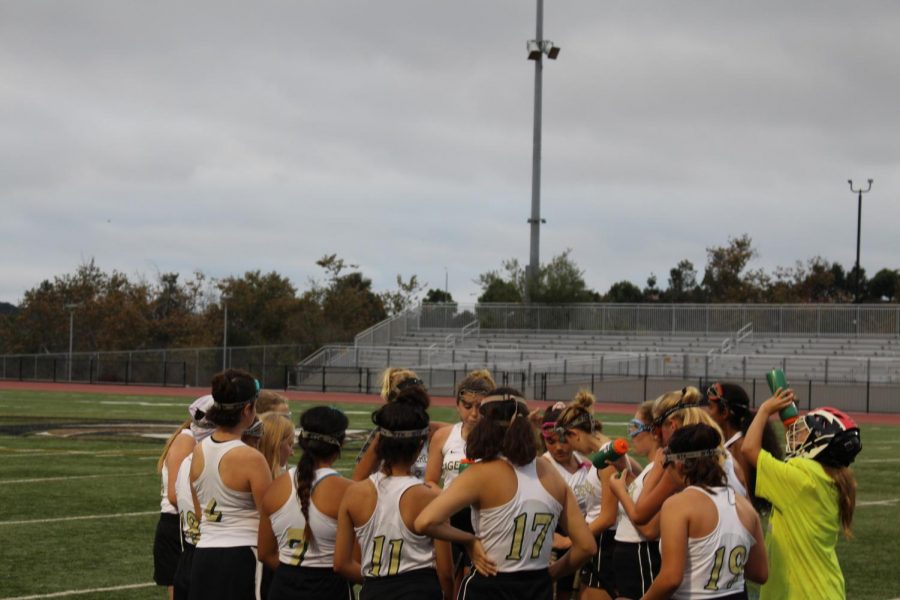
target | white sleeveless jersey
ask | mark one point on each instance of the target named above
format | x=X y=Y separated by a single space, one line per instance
x=731 y=475
x=164 y=505
x=625 y=529
x=289 y=527
x=229 y=518
x=388 y=546
x=714 y=566
x=584 y=484
x=518 y=535
x=453 y=451
x=418 y=468
x=190 y=521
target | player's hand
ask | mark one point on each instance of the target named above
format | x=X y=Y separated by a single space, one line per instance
x=617 y=485
x=480 y=560
x=780 y=399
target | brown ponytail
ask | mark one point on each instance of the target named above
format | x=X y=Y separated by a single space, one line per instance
x=845 y=483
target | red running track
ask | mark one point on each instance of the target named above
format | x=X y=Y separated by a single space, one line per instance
x=330 y=397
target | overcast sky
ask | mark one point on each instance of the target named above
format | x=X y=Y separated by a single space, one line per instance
x=230 y=136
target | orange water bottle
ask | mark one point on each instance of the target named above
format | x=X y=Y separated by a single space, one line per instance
x=610 y=452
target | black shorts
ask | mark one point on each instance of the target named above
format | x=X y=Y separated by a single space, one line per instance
x=183 y=573
x=600 y=572
x=461 y=520
x=166 y=549
x=637 y=565
x=292 y=582
x=223 y=574
x=421 y=584
x=519 y=585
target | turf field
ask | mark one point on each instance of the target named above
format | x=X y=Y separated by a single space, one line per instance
x=79 y=498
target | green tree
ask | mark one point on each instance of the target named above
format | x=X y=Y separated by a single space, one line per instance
x=682 y=284
x=258 y=307
x=558 y=282
x=624 y=292
x=726 y=278
x=884 y=285
x=436 y=296
x=404 y=297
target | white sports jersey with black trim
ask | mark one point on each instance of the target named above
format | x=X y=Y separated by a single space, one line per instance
x=230 y=517
x=388 y=546
x=190 y=521
x=518 y=535
x=625 y=529
x=289 y=526
x=584 y=484
x=453 y=451
x=732 y=477
x=164 y=505
x=714 y=566
x=418 y=468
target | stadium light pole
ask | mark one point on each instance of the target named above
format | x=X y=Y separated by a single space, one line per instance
x=859 y=193
x=71 y=308
x=536 y=50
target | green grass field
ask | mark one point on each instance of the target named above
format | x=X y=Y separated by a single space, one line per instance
x=78 y=512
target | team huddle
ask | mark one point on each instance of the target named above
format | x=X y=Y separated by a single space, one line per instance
x=505 y=503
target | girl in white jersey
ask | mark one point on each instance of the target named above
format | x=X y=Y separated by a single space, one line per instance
x=577 y=425
x=395 y=381
x=580 y=475
x=672 y=411
x=229 y=479
x=517 y=501
x=636 y=556
x=298 y=518
x=711 y=536
x=378 y=513
x=167 y=543
x=447 y=451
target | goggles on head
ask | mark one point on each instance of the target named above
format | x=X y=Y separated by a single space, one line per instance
x=581 y=420
x=549 y=429
x=255 y=430
x=636 y=427
x=661 y=419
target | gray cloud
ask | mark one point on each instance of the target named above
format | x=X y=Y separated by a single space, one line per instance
x=232 y=136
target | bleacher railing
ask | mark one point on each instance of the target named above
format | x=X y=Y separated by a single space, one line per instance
x=776 y=320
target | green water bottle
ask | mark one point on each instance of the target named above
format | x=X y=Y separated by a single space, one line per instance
x=610 y=452
x=775 y=378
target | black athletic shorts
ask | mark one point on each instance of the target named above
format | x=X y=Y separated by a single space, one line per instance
x=223 y=574
x=421 y=584
x=637 y=565
x=519 y=585
x=183 y=573
x=600 y=572
x=166 y=549
x=292 y=583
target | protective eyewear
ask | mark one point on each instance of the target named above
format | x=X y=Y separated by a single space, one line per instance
x=550 y=429
x=636 y=427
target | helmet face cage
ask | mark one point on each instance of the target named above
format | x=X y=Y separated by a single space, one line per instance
x=813 y=434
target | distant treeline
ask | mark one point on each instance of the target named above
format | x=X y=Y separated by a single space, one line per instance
x=112 y=312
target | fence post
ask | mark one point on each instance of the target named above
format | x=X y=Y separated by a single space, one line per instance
x=368 y=378
x=91 y=370
x=165 y=381
x=753 y=404
x=286 y=376
x=184 y=373
x=323 y=379
x=809 y=396
x=54 y=370
x=565 y=370
x=601 y=367
x=868 y=381
x=645 y=385
x=20 y=368
x=128 y=370
x=826 y=370
x=264 y=366
x=592 y=382
x=359 y=380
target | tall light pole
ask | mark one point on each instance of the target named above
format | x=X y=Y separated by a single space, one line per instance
x=536 y=50
x=860 y=193
x=71 y=308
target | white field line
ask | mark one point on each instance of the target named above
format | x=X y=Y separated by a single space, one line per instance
x=888 y=502
x=132 y=586
x=33 y=453
x=133 y=403
x=68 y=477
x=81 y=518
x=878 y=460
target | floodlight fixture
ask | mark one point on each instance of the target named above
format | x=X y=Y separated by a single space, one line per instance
x=534 y=50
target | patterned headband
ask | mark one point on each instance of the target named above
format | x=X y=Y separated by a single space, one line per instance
x=319 y=437
x=683 y=456
x=408 y=433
